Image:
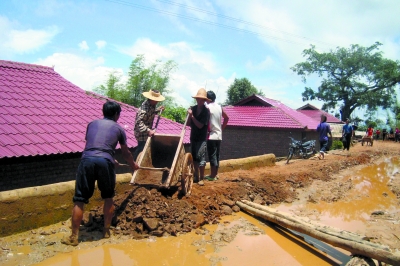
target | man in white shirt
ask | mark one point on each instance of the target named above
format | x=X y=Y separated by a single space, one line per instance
x=215 y=134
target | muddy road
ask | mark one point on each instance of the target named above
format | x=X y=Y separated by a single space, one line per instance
x=142 y=212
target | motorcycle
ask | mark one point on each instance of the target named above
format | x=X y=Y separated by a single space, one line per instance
x=301 y=149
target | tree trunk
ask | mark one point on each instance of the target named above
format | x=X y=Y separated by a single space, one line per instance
x=343 y=239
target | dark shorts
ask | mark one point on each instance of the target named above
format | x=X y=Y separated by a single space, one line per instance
x=199 y=150
x=90 y=170
x=213 y=148
x=323 y=145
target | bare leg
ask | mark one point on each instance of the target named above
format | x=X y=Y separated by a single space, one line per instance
x=214 y=171
x=77 y=215
x=108 y=210
x=196 y=170
x=201 y=168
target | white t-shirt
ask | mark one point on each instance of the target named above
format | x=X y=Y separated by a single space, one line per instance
x=215 y=121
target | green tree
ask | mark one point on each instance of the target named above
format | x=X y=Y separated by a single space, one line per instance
x=395 y=109
x=175 y=113
x=142 y=78
x=353 y=78
x=240 y=89
x=113 y=88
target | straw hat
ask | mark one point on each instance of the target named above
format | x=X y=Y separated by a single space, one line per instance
x=154 y=95
x=201 y=94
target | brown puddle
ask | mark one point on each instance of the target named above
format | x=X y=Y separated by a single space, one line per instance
x=255 y=243
x=370 y=193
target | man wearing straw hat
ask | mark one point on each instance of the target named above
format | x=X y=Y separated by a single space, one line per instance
x=145 y=117
x=198 y=119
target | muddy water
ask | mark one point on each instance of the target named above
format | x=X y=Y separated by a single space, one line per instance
x=238 y=240
x=370 y=193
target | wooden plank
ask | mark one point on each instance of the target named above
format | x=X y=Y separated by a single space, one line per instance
x=343 y=239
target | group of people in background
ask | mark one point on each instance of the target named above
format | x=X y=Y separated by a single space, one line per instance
x=102 y=136
x=325 y=133
x=395 y=134
x=348 y=131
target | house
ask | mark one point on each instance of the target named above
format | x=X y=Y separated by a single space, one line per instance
x=259 y=125
x=43 y=119
x=315 y=113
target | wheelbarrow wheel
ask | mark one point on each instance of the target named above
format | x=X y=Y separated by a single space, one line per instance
x=187 y=174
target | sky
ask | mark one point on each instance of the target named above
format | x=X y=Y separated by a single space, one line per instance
x=212 y=41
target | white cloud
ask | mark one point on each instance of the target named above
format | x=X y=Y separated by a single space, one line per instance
x=83 y=46
x=288 y=27
x=263 y=65
x=152 y=50
x=196 y=68
x=101 y=44
x=87 y=73
x=22 y=41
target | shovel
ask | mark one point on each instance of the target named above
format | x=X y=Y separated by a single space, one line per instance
x=158 y=120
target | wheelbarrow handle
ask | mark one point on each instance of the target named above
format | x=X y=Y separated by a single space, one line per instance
x=154 y=169
x=158 y=119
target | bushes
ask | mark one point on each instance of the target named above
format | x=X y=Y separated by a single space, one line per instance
x=337 y=145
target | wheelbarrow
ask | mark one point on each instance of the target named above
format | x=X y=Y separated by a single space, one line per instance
x=367 y=139
x=164 y=163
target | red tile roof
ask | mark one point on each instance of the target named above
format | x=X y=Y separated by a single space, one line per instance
x=263 y=117
x=316 y=115
x=41 y=113
x=269 y=113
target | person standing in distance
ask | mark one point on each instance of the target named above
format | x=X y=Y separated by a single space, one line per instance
x=324 y=130
x=145 y=118
x=198 y=119
x=347 y=133
x=215 y=134
x=98 y=164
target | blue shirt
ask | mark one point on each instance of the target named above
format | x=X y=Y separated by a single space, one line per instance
x=323 y=129
x=347 y=128
x=102 y=136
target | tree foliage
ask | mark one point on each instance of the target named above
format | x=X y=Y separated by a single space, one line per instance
x=175 y=113
x=396 y=111
x=351 y=78
x=113 y=88
x=240 y=89
x=141 y=78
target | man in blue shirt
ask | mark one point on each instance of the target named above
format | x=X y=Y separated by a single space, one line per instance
x=347 y=133
x=323 y=129
x=98 y=164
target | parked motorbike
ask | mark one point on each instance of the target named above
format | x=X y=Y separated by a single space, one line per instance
x=301 y=149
